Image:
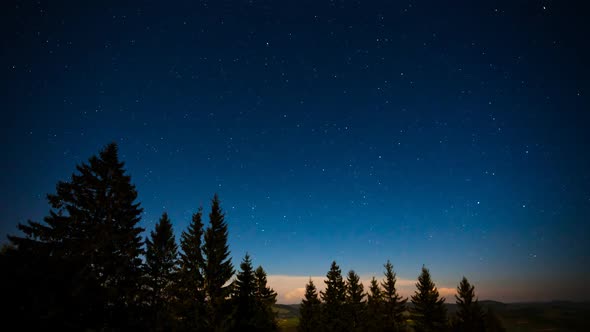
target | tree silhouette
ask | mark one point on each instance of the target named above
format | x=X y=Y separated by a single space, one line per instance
x=356 y=306
x=80 y=269
x=190 y=289
x=91 y=242
x=244 y=298
x=253 y=300
x=429 y=312
x=160 y=267
x=470 y=316
x=394 y=305
x=334 y=298
x=309 y=310
x=266 y=297
x=218 y=268
x=375 y=321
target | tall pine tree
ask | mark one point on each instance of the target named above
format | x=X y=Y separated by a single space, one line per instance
x=375 y=320
x=429 y=312
x=244 y=300
x=191 y=283
x=309 y=310
x=356 y=306
x=394 y=305
x=470 y=315
x=91 y=235
x=334 y=297
x=218 y=268
x=266 y=297
x=160 y=266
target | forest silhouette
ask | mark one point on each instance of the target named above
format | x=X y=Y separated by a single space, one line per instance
x=86 y=267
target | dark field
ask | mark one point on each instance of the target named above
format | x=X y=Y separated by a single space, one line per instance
x=516 y=317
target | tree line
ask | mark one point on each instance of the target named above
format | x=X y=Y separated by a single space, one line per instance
x=345 y=306
x=86 y=267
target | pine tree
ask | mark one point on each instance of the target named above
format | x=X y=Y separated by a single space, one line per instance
x=429 y=312
x=191 y=284
x=160 y=267
x=334 y=298
x=375 y=316
x=93 y=242
x=309 y=310
x=394 y=305
x=218 y=268
x=470 y=316
x=356 y=306
x=266 y=297
x=244 y=299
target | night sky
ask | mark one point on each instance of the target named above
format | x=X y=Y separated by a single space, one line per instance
x=447 y=133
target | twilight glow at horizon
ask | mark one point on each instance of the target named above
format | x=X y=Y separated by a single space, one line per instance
x=452 y=135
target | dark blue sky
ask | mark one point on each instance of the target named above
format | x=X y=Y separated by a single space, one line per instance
x=447 y=133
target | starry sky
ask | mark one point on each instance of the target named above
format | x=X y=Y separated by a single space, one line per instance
x=447 y=133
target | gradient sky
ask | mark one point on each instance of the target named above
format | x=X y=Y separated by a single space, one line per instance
x=447 y=133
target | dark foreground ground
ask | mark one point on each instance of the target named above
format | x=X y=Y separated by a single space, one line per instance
x=517 y=317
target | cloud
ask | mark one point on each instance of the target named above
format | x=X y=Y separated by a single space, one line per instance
x=447 y=292
x=291 y=289
x=406 y=282
x=295 y=295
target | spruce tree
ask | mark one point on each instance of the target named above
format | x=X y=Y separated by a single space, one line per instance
x=334 y=297
x=429 y=312
x=160 y=267
x=218 y=268
x=309 y=310
x=356 y=306
x=394 y=305
x=470 y=316
x=375 y=316
x=191 y=284
x=93 y=242
x=266 y=297
x=244 y=299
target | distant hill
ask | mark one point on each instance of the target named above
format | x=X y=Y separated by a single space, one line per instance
x=560 y=316
x=543 y=316
x=288 y=316
x=495 y=305
x=287 y=310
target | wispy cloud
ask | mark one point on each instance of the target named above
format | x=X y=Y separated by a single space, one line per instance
x=448 y=293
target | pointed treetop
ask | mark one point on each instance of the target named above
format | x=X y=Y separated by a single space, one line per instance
x=354 y=288
x=465 y=292
x=218 y=268
x=247 y=261
x=110 y=154
x=245 y=280
x=310 y=288
x=375 y=293
x=470 y=315
x=311 y=293
x=335 y=287
x=429 y=310
x=264 y=293
x=110 y=149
